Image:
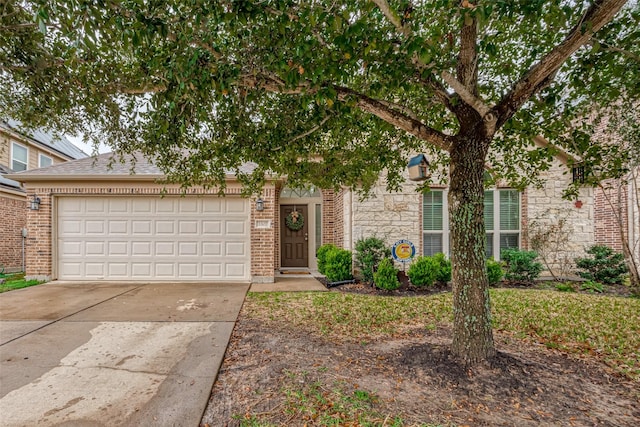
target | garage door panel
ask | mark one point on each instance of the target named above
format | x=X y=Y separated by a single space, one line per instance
x=235 y=227
x=118 y=248
x=71 y=227
x=141 y=206
x=141 y=227
x=118 y=269
x=71 y=248
x=235 y=270
x=94 y=248
x=212 y=228
x=165 y=227
x=149 y=238
x=94 y=269
x=94 y=227
x=118 y=205
x=188 y=227
x=140 y=248
x=188 y=248
x=141 y=270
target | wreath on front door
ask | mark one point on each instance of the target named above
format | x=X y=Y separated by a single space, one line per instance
x=294 y=221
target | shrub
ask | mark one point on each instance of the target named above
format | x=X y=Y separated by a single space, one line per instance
x=591 y=286
x=521 y=265
x=565 y=287
x=368 y=254
x=444 y=270
x=604 y=265
x=338 y=265
x=321 y=255
x=423 y=271
x=494 y=271
x=386 y=276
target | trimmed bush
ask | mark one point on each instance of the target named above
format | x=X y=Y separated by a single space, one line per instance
x=386 y=276
x=494 y=271
x=444 y=270
x=521 y=265
x=338 y=265
x=321 y=255
x=423 y=271
x=368 y=254
x=603 y=266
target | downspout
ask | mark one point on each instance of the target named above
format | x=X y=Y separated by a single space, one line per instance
x=24 y=236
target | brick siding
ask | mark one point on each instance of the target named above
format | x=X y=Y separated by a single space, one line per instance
x=611 y=213
x=39 y=245
x=13 y=211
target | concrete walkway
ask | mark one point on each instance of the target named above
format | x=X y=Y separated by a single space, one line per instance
x=289 y=284
x=113 y=354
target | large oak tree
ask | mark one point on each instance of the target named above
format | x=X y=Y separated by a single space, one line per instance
x=332 y=93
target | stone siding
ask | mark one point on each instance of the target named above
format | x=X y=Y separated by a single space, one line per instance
x=13 y=211
x=546 y=207
x=389 y=216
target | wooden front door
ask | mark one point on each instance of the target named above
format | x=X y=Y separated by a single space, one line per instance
x=294 y=247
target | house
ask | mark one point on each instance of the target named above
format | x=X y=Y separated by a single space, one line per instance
x=96 y=220
x=20 y=151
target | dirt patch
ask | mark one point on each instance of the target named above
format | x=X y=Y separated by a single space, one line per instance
x=417 y=380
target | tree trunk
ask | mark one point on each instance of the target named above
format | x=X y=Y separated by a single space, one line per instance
x=472 y=332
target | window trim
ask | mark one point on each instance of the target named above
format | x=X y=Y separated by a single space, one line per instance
x=496 y=232
x=40 y=156
x=13 y=159
x=445 y=221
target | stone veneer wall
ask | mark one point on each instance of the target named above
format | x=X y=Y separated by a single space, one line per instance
x=13 y=214
x=39 y=245
x=390 y=216
x=546 y=206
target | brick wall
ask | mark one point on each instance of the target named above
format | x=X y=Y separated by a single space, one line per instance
x=39 y=245
x=338 y=212
x=13 y=211
x=611 y=213
x=328 y=217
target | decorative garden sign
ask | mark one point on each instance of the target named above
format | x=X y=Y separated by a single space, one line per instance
x=403 y=251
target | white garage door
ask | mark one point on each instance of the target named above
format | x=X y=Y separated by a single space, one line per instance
x=152 y=238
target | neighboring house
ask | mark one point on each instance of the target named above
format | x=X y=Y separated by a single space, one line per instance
x=19 y=152
x=98 y=221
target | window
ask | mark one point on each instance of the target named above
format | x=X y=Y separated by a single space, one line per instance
x=44 y=161
x=501 y=214
x=435 y=223
x=19 y=157
x=501 y=218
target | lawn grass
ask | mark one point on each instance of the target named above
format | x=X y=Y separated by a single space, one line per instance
x=16 y=281
x=606 y=328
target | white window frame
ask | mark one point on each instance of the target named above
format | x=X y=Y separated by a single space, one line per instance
x=13 y=159
x=41 y=156
x=445 y=222
x=497 y=232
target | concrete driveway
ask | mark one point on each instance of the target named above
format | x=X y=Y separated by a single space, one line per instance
x=109 y=354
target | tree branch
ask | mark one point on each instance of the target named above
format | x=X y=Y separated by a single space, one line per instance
x=541 y=74
x=466 y=95
x=395 y=118
x=310 y=131
x=610 y=48
x=393 y=17
x=467 y=67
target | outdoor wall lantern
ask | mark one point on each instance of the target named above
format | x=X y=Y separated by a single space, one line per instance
x=418 y=168
x=259 y=204
x=35 y=203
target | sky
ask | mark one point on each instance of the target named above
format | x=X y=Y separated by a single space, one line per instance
x=77 y=141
